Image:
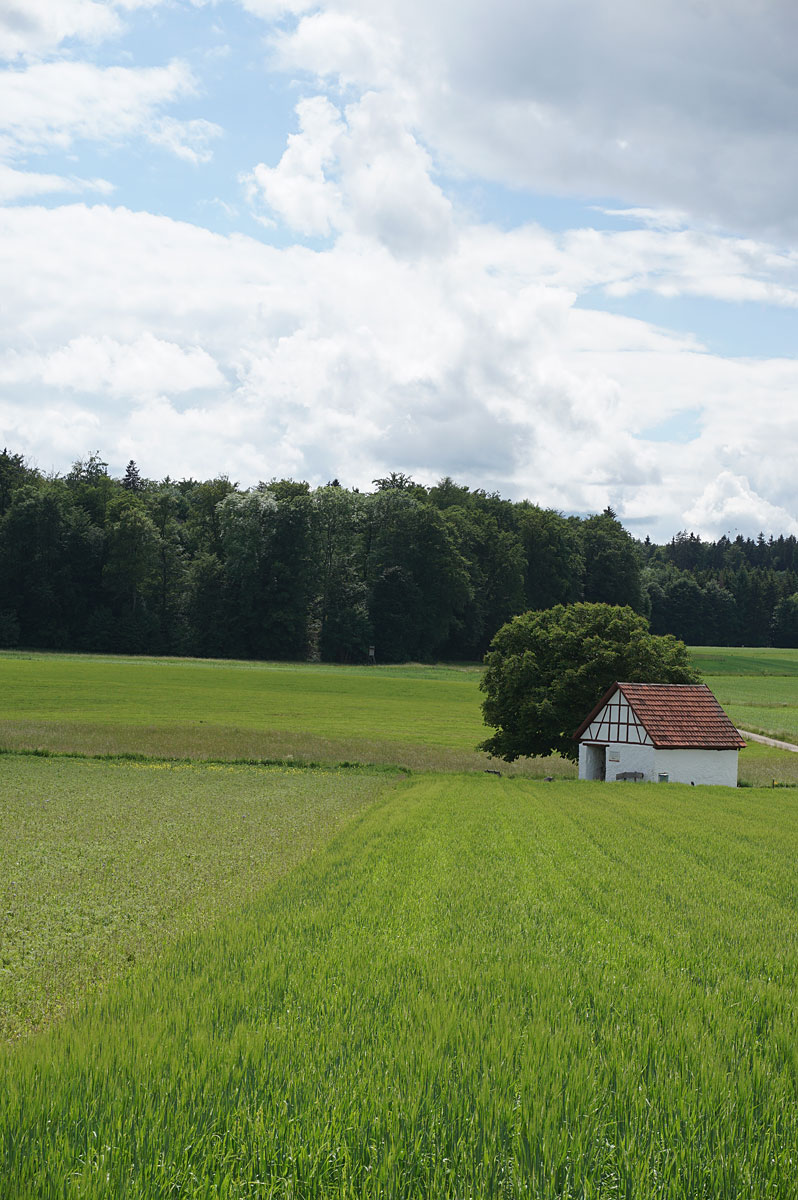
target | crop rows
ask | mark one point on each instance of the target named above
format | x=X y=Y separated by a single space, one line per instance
x=481 y=988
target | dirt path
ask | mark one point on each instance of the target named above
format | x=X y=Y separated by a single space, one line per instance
x=766 y=741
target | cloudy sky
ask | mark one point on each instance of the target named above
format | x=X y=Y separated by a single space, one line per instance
x=548 y=247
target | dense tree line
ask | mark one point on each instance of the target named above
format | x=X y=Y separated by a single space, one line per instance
x=96 y=563
x=723 y=593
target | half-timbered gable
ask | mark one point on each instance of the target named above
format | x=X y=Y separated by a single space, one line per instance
x=617 y=722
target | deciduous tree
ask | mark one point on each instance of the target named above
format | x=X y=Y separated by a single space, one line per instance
x=546 y=670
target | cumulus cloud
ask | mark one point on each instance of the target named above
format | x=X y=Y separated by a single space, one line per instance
x=108 y=367
x=356 y=361
x=669 y=106
x=297 y=189
x=341 y=45
x=729 y=505
x=359 y=171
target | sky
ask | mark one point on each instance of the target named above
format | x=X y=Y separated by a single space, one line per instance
x=546 y=247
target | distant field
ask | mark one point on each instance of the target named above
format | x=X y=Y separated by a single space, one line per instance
x=425 y=718
x=744 y=660
x=757 y=687
x=394 y=703
x=420 y=717
x=482 y=987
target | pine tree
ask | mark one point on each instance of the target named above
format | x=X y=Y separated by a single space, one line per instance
x=132 y=480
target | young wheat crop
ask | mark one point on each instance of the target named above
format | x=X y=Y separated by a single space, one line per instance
x=482 y=987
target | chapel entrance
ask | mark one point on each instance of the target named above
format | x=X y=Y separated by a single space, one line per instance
x=596 y=762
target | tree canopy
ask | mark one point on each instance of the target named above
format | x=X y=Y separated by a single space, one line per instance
x=546 y=670
x=94 y=562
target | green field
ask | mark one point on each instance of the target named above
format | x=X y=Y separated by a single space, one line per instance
x=395 y=704
x=757 y=687
x=245 y=981
x=481 y=987
x=426 y=718
x=418 y=717
x=101 y=862
x=745 y=660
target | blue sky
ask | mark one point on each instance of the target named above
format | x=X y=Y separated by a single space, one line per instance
x=546 y=248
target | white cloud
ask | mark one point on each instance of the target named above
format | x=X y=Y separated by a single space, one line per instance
x=17 y=185
x=30 y=27
x=35 y=28
x=110 y=368
x=297 y=189
x=683 y=262
x=652 y=218
x=361 y=171
x=729 y=505
x=667 y=106
x=52 y=105
x=339 y=45
x=355 y=361
x=269 y=9
x=189 y=140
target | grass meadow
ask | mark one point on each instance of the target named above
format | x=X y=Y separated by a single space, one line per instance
x=757 y=686
x=425 y=718
x=103 y=862
x=236 y=980
x=422 y=718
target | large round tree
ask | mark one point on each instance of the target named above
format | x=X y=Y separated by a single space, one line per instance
x=546 y=670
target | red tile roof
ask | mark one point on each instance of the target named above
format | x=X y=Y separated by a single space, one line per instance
x=676 y=715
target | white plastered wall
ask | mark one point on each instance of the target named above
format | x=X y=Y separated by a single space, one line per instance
x=698 y=766
x=629 y=758
x=681 y=766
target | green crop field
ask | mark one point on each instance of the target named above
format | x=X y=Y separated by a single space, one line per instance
x=100 y=862
x=239 y=981
x=745 y=660
x=419 y=717
x=481 y=987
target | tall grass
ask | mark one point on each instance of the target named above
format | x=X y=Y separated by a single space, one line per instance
x=483 y=988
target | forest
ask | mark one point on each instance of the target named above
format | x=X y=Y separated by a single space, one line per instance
x=89 y=562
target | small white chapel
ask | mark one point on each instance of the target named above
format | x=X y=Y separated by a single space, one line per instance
x=659 y=732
